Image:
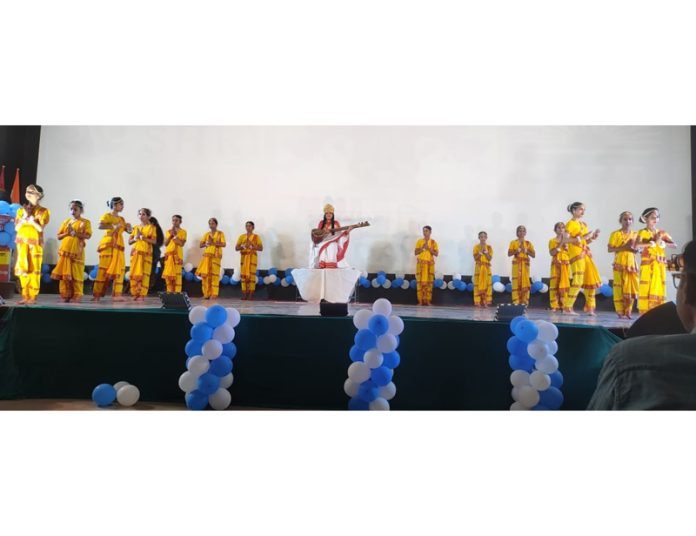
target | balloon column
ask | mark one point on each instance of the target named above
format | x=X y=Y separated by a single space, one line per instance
x=536 y=380
x=374 y=356
x=8 y=234
x=210 y=353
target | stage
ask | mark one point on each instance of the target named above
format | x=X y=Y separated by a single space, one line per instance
x=452 y=358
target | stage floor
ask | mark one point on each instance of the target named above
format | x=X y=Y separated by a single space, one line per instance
x=608 y=320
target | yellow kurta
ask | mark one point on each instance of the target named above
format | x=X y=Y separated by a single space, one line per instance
x=521 y=284
x=483 y=278
x=141 y=260
x=30 y=250
x=653 y=271
x=209 y=267
x=248 y=260
x=425 y=271
x=625 y=273
x=70 y=269
x=559 y=284
x=112 y=257
x=174 y=262
x=584 y=273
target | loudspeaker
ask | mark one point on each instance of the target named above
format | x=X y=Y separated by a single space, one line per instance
x=662 y=320
x=508 y=311
x=333 y=309
x=174 y=300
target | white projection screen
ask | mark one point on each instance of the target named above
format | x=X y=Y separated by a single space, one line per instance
x=459 y=180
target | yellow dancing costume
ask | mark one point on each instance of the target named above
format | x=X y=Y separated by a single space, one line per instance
x=625 y=285
x=559 y=284
x=112 y=257
x=70 y=269
x=483 y=277
x=425 y=271
x=174 y=262
x=248 y=260
x=141 y=260
x=30 y=250
x=209 y=267
x=521 y=282
x=653 y=270
x=583 y=270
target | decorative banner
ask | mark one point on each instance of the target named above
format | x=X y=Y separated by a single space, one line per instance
x=374 y=356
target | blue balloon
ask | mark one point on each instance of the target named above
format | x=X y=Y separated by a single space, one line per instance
x=188 y=276
x=14 y=207
x=46 y=278
x=225 y=280
x=4 y=207
x=556 y=379
x=496 y=279
x=290 y=279
x=9 y=228
x=5 y=238
x=413 y=284
x=367 y=391
x=201 y=332
x=104 y=394
x=381 y=279
x=521 y=362
x=288 y=272
x=461 y=286
x=382 y=273
x=516 y=346
x=552 y=398
x=356 y=354
x=527 y=331
x=221 y=366
x=193 y=348
x=391 y=360
x=216 y=316
x=536 y=287
x=508 y=288
x=45 y=268
x=515 y=321
x=208 y=383
x=381 y=375
x=437 y=283
x=398 y=282
x=470 y=287
x=196 y=400
x=273 y=271
x=365 y=339
x=607 y=291
x=258 y=272
x=365 y=282
x=356 y=404
x=276 y=282
x=229 y=349
x=378 y=324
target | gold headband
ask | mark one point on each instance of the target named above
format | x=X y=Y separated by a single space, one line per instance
x=328 y=208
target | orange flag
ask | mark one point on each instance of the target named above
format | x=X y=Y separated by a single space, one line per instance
x=2 y=178
x=14 y=196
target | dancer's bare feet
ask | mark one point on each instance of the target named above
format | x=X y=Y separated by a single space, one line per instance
x=95 y=298
x=23 y=301
x=118 y=299
x=569 y=312
x=31 y=301
x=76 y=299
x=591 y=313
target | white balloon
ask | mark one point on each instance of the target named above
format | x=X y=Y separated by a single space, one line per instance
x=364 y=274
x=233 y=316
x=515 y=393
x=399 y=276
x=198 y=278
x=528 y=396
x=537 y=349
x=547 y=331
x=266 y=280
x=375 y=283
x=439 y=275
x=284 y=283
x=539 y=380
x=382 y=307
x=443 y=286
x=85 y=276
x=362 y=318
x=405 y=285
x=498 y=287
x=126 y=276
x=548 y=365
x=536 y=279
x=387 y=284
x=236 y=276
x=519 y=378
x=197 y=314
x=223 y=334
x=544 y=288
x=120 y=384
x=386 y=343
x=350 y=387
x=396 y=325
x=373 y=358
x=552 y=346
x=359 y=372
x=198 y=365
x=227 y=381
x=516 y=406
x=188 y=382
x=212 y=349
x=450 y=285
x=272 y=278
x=128 y=395
x=188 y=267
x=379 y=404
x=388 y=391
x=457 y=277
x=222 y=274
x=220 y=399
x=91 y=277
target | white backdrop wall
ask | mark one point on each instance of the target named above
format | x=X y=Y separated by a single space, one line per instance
x=459 y=180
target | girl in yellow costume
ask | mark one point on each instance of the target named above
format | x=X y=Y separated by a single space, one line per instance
x=583 y=270
x=559 y=284
x=209 y=268
x=142 y=238
x=112 y=257
x=174 y=255
x=483 y=283
x=70 y=269
x=521 y=251
x=652 y=241
x=426 y=251
x=248 y=244
x=622 y=244
x=30 y=222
